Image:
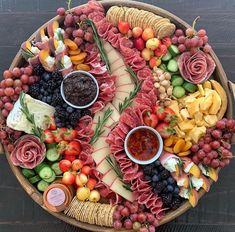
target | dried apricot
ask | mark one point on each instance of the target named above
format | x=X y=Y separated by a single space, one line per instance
x=179 y=146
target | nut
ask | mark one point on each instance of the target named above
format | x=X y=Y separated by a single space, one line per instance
x=162 y=95
x=165 y=83
x=167 y=76
x=162 y=89
x=169 y=91
x=161 y=77
x=156 y=78
x=156 y=85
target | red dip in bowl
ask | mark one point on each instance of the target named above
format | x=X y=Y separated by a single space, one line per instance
x=143 y=144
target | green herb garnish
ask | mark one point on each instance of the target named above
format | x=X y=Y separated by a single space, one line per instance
x=133 y=74
x=101 y=123
x=99 y=44
x=30 y=117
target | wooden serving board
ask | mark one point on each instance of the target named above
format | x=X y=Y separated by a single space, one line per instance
x=219 y=76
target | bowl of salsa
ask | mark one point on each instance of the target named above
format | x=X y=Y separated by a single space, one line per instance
x=143 y=145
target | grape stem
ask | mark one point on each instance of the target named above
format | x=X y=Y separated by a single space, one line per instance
x=194 y=22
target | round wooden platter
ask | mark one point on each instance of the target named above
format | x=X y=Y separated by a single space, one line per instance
x=219 y=76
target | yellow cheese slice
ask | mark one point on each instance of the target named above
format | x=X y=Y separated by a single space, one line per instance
x=125 y=88
x=104 y=167
x=100 y=143
x=121 y=95
x=123 y=80
x=99 y=155
x=110 y=177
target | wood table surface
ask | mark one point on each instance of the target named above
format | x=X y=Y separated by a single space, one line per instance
x=215 y=211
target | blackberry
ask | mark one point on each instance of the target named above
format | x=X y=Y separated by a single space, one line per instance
x=176 y=202
x=85 y=112
x=51 y=85
x=38 y=70
x=57 y=75
x=57 y=99
x=166 y=199
x=34 y=90
x=60 y=114
x=74 y=117
x=159 y=187
x=46 y=76
x=164 y=174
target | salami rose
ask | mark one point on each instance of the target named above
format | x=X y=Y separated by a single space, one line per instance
x=28 y=152
x=196 y=68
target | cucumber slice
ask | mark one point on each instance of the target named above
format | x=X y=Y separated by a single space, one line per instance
x=190 y=87
x=172 y=66
x=56 y=168
x=40 y=166
x=28 y=173
x=163 y=67
x=173 y=50
x=46 y=172
x=178 y=91
x=167 y=57
x=51 y=179
x=34 y=179
x=177 y=80
x=42 y=185
x=52 y=155
x=51 y=145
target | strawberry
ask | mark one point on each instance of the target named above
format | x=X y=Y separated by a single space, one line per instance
x=49 y=138
x=70 y=135
x=58 y=134
x=51 y=123
x=73 y=148
x=160 y=112
x=170 y=116
x=150 y=119
x=165 y=130
x=61 y=147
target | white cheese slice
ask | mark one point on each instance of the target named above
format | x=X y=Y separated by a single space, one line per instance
x=170 y=164
x=100 y=143
x=118 y=188
x=184 y=193
x=116 y=102
x=107 y=46
x=121 y=95
x=109 y=177
x=197 y=182
x=103 y=167
x=123 y=80
x=188 y=167
x=202 y=168
x=113 y=56
x=100 y=154
x=118 y=64
x=41 y=111
x=125 y=88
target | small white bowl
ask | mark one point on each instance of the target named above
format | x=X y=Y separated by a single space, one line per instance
x=86 y=74
x=156 y=156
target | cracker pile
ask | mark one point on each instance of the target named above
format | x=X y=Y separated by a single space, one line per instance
x=92 y=213
x=141 y=18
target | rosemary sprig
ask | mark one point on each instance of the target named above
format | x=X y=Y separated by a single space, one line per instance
x=133 y=74
x=30 y=117
x=118 y=172
x=99 y=44
x=100 y=125
x=128 y=100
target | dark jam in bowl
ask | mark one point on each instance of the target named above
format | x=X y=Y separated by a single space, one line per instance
x=143 y=144
x=79 y=89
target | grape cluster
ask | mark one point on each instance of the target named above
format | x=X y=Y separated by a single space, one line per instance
x=191 y=40
x=14 y=82
x=75 y=28
x=214 y=149
x=163 y=184
x=133 y=216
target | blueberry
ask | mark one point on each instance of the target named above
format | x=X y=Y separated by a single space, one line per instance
x=46 y=76
x=164 y=182
x=155 y=171
x=69 y=109
x=157 y=163
x=170 y=180
x=160 y=168
x=42 y=90
x=44 y=99
x=49 y=99
x=65 y=105
x=155 y=178
x=57 y=120
x=170 y=188
x=176 y=190
x=40 y=97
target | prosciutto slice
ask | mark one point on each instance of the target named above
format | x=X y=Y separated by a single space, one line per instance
x=196 y=68
x=28 y=152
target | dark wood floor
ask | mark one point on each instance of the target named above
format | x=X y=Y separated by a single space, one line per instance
x=215 y=212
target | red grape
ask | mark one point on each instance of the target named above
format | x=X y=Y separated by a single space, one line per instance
x=8 y=106
x=88 y=37
x=189 y=32
x=18 y=90
x=5 y=113
x=78 y=11
x=201 y=143
x=28 y=70
x=181 y=48
x=117 y=225
x=220 y=124
x=226 y=161
x=216 y=134
x=174 y=40
x=69 y=30
x=200 y=42
x=120 y=207
x=227 y=135
x=136 y=226
x=10 y=147
x=134 y=217
x=206 y=161
x=17 y=83
x=215 y=163
x=194 y=42
x=17 y=134
x=83 y=17
x=9 y=91
x=181 y=39
x=3 y=134
x=143 y=229
x=151 y=228
x=116 y=215
x=201 y=154
x=179 y=32
x=16 y=72
x=6 y=99
x=155 y=223
x=215 y=154
x=128 y=224
x=194 y=148
x=207 y=48
x=208 y=139
x=5 y=141
x=188 y=43
x=201 y=33
x=215 y=144
x=25 y=88
x=61 y=11
x=230 y=124
x=210 y=155
x=14 y=97
x=227 y=145
x=69 y=20
x=25 y=79
x=2 y=92
x=1 y=104
x=133 y=208
x=205 y=39
x=206 y=148
x=7 y=74
x=150 y=217
x=221 y=164
x=78 y=41
x=125 y=212
x=9 y=82
x=2 y=84
x=196 y=159
x=141 y=217
x=31 y=80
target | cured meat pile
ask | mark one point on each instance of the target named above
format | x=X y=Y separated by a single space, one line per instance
x=28 y=152
x=196 y=68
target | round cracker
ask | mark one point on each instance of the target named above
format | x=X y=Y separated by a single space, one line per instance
x=166 y=30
